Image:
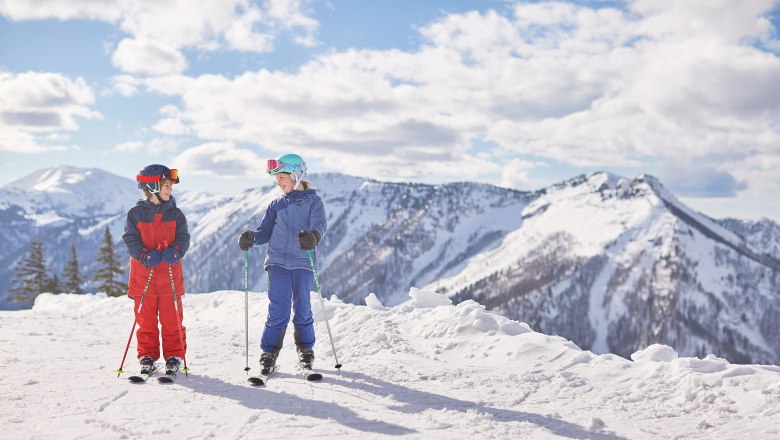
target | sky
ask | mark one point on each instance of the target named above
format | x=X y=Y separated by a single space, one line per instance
x=423 y=369
x=521 y=94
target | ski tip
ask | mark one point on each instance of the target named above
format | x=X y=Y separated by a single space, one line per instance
x=256 y=381
x=314 y=377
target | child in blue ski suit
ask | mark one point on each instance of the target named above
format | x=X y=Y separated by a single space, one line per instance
x=292 y=226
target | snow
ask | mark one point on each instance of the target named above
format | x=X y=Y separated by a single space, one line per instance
x=655 y=353
x=422 y=369
x=373 y=302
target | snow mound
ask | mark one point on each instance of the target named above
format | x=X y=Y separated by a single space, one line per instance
x=422 y=369
x=655 y=353
x=373 y=302
x=428 y=299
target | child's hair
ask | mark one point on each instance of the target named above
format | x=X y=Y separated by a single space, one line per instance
x=305 y=184
x=148 y=194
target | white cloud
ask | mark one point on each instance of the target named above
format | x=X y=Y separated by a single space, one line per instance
x=125 y=85
x=220 y=160
x=586 y=87
x=240 y=35
x=34 y=106
x=106 y=10
x=159 y=31
x=658 y=79
x=148 y=57
x=172 y=126
x=515 y=174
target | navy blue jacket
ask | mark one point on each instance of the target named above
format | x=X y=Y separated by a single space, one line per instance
x=298 y=210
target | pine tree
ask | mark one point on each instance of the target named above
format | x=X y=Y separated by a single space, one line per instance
x=30 y=278
x=53 y=284
x=106 y=276
x=71 y=273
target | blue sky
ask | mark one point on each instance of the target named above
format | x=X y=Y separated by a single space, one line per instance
x=518 y=94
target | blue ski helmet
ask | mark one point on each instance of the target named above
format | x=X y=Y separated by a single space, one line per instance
x=151 y=176
x=289 y=163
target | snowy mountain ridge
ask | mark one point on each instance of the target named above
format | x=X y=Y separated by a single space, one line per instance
x=624 y=253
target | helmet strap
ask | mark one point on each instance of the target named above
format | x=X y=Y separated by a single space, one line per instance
x=298 y=178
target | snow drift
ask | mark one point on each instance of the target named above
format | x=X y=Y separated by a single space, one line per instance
x=423 y=369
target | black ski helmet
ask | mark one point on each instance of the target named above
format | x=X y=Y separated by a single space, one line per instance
x=150 y=177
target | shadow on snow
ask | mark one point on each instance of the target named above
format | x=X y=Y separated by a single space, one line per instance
x=411 y=401
x=415 y=401
x=285 y=403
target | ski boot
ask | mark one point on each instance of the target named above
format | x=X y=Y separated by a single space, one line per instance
x=147 y=364
x=172 y=365
x=267 y=362
x=305 y=358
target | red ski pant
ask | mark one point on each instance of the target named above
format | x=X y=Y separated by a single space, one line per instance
x=148 y=334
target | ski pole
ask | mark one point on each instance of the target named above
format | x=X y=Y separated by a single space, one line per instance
x=178 y=321
x=322 y=304
x=135 y=321
x=246 y=307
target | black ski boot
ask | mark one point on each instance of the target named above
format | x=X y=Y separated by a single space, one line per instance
x=172 y=365
x=305 y=358
x=267 y=362
x=147 y=364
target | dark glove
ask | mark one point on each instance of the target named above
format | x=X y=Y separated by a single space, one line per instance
x=308 y=240
x=171 y=255
x=246 y=240
x=151 y=258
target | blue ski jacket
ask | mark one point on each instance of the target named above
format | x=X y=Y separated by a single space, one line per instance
x=285 y=217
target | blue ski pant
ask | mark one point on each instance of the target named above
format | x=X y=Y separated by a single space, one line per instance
x=288 y=288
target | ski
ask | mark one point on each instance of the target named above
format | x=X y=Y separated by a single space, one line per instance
x=143 y=377
x=309 y=373
x=262 y=378
x=167 y=377
x=312 y=376
x=171 y=370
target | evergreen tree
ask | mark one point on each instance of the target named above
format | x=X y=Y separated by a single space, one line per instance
x=71 y=273
x=106 y=276
x=30 y=278
x=52 y=284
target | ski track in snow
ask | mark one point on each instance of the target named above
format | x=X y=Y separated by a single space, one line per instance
x=418 y=370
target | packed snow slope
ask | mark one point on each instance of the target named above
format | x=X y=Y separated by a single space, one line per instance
x=422 y=369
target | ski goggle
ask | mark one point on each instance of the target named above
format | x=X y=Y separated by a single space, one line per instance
x=172 y=175
x=273 y=165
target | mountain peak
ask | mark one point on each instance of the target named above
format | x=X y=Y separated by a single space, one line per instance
x=70 y=190
x=57 y=179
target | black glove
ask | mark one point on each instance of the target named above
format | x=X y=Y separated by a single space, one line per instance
x=308 y=240
x=246 y=240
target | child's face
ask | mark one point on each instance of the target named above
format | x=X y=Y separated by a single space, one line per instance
x=284 y=181
x=166 y=188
